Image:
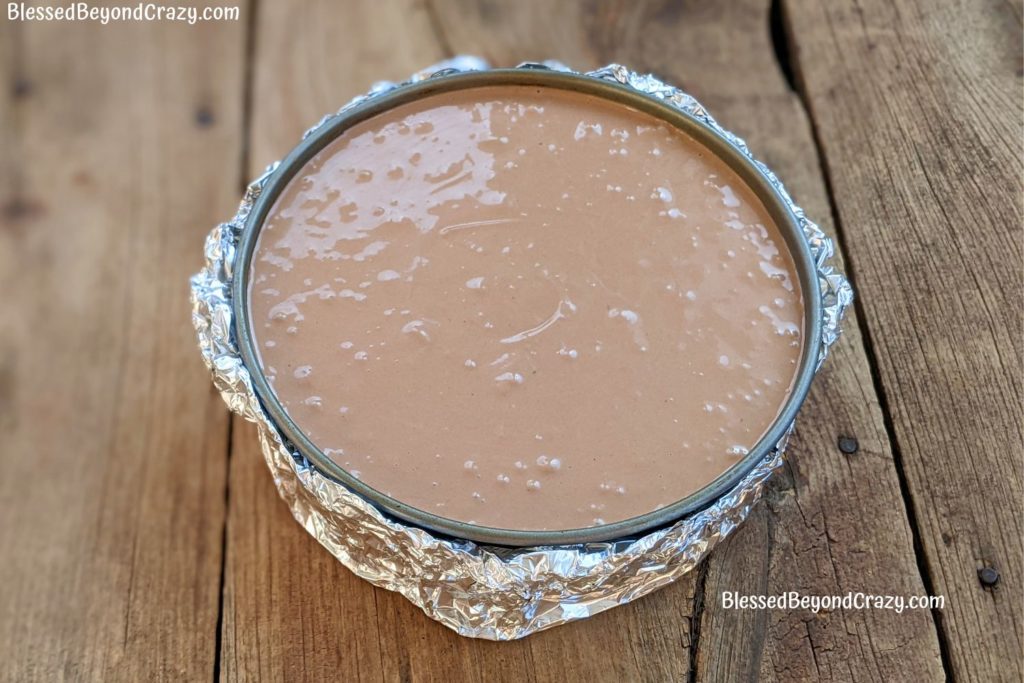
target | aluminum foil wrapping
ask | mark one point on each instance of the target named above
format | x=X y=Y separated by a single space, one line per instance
x=480 y=591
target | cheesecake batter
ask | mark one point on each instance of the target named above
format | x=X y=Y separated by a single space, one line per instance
x=525 y=308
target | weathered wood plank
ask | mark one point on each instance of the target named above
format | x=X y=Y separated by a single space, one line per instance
x=280 y=620
x=833 y=523
x=918 y=110
x=814 y=534
x=290 y=609
x=120 y=150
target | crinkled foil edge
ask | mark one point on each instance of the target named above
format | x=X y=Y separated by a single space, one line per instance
x=480 y=591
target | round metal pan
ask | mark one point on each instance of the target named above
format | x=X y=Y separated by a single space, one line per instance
x=773 y=202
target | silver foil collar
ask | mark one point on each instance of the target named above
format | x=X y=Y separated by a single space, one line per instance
x=480 y=591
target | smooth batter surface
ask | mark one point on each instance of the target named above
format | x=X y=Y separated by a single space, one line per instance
x=525 y=308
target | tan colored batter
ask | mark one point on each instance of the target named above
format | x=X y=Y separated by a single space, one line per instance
x=525 y=308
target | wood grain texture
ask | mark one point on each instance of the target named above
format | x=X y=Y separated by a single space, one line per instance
x=122 y=146
x=812 y=534
x=290 y=608
x=920 y=125
x=113 y=459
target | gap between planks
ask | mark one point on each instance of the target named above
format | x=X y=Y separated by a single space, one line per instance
x=790 y=65
x=249 y=52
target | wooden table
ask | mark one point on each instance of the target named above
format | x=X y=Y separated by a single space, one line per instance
x=141 y=536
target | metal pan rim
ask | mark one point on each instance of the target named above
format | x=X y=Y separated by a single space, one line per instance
x=774 y=201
